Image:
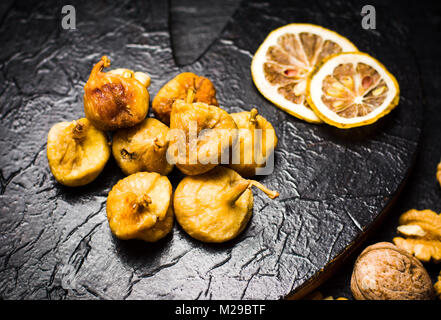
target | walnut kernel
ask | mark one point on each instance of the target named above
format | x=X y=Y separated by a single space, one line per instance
x=422 y=231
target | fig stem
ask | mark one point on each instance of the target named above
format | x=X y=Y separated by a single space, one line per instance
x=270 y=193
x=253 y=116
x=190 y=95
x=79 y=129
x=103 y=63
x=106 y=61
x=236 y=191
x=158 y=143
x=142 y=202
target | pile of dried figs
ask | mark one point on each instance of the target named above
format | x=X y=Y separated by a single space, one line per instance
x=213 y=203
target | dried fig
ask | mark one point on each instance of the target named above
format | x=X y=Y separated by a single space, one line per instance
x=116 y=99
x=77 y=152
x=139 y=207
x=177 y=88
x=215 y=206
x=386 y=272
x=255 y=143
x=200 y=135
x=142 y=148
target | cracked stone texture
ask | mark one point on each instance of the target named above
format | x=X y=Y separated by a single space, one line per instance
x=55 y=242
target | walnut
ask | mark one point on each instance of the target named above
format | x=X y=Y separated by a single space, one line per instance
x=386 y=272
x=437 y=286
x=422 y=231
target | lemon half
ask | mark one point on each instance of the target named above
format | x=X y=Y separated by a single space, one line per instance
x=283 y=62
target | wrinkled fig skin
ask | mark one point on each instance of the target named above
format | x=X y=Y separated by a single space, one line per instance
x=139 y=207
x=386 y=272
x=177 y=88
x=112 y=101
x=77 y=152
x=209 y=147
x=250 y=151
x=142 y=148
x=215 y=206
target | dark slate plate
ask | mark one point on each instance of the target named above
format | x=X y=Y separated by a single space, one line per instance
x=55 y=241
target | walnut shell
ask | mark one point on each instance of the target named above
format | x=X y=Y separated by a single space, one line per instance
x=386 y=272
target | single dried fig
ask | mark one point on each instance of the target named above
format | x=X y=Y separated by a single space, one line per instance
x=255 y=143
x=142 y=148
x=177 y=88
x=215 y=206
x=77 y=152
x=200 y=135
x=386 y=272
x=117 y=99
x=139 y=207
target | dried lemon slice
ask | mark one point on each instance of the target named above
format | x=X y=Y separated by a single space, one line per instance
x=352 y=89
x=284 y=60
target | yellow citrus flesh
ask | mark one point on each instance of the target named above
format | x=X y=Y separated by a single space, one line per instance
x=352 y=89
x=283 y=62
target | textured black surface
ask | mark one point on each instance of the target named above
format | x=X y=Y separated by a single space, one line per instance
x=55 y=241
x=195 y=24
